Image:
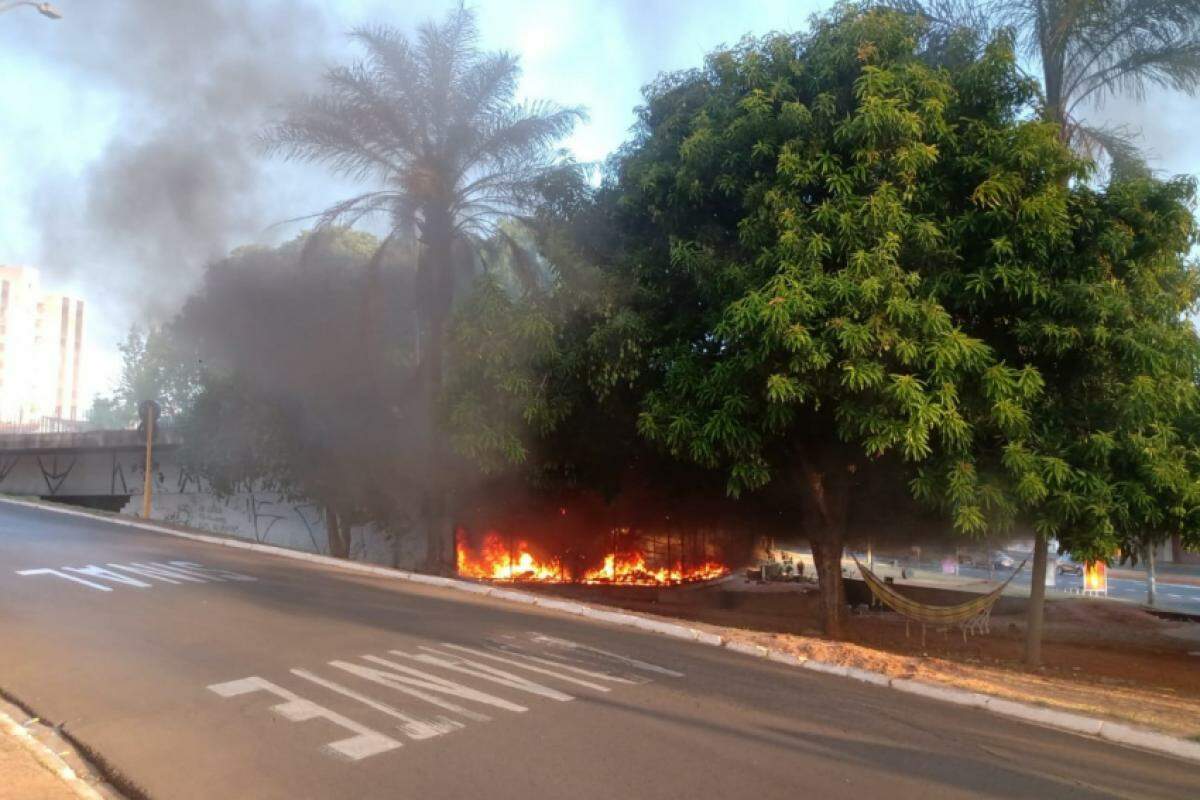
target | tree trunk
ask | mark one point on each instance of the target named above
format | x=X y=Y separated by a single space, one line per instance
x=1037 y=602
x=435 y=282
x=439 y=541
x=827 y=556
x=338 y=533
x=1151 y=577
x=828 y=481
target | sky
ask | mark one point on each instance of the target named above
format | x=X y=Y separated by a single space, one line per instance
x=127 y=155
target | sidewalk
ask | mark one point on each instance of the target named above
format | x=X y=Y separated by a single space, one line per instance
x=31 y=771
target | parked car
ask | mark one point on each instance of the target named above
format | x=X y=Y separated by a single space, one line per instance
x=1068 y=567
x=1002 y=561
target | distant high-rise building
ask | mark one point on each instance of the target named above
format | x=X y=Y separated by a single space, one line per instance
x=41 y=349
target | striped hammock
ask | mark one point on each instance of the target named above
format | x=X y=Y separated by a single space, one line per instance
x=972 y=616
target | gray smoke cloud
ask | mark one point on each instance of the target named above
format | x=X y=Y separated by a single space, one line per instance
x=180 y=181
x=165 y=175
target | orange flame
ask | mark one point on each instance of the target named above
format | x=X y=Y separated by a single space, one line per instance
x=631 y=568
x=1095 y=578
x=499 y=560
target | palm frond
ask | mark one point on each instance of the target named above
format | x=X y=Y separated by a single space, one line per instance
x=1125 y=159
x=432 y=119
x=521 y=131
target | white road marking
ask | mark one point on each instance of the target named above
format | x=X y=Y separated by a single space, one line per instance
x=485 y=672
x=92 y=571
x=413 y=727
x=212 y=573
x=158 y=572
x=559 y=662
x=532 y=668
x=633 y=662
x=435 y=683
x=173 y=572
x=441 y=692
x=572 y=661
x=64 y=575
x=365 y=743
x=409 y=686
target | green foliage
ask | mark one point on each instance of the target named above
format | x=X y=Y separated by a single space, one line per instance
x=500 y=345
x=1109 y=455
x=106 y=413
x=541 y=371
x=825 y=252
x=818 y=265
x=1088 y=51
x=154 y=366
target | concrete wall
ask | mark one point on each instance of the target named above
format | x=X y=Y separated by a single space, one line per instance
x=270 y=518
x=91 y=472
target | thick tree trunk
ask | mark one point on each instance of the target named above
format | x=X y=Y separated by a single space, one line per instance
x=827 y=555
x=828 y=481
x=339 y=534
x=1037 y=602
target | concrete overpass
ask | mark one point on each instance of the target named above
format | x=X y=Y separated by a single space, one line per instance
x=102 y=469
x=106 y=469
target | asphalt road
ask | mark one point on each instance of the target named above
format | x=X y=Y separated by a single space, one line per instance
x=1169 y=597
x=238 y=675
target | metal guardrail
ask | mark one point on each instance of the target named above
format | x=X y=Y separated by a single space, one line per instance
x=48 y=425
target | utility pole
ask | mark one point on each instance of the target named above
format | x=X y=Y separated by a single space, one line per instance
x=149 y=413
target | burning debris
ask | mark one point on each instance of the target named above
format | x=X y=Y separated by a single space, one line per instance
x=633 y=560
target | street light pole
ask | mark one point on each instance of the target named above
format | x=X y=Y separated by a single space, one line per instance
x=148 y=411
x=45 y=9
x=148 y=486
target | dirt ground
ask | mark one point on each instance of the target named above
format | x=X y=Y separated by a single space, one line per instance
x=1101 y=658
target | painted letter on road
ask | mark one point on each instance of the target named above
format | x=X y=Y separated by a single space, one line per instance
x=363 y=744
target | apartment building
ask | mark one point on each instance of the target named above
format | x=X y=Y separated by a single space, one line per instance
x=41 y=350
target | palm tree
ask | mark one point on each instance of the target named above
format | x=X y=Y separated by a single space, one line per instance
x=433 y=123
x=1090 y=51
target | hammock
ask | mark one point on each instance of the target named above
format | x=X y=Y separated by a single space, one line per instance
x=973 y=616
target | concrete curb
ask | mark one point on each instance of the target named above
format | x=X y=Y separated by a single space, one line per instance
x=47 y=758
x=1075 y=723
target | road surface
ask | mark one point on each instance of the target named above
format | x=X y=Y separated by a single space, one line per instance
x=1170 y=596
x=199 y=671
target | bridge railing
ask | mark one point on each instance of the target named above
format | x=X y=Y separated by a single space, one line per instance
x=62 y=425
x=48 y=425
